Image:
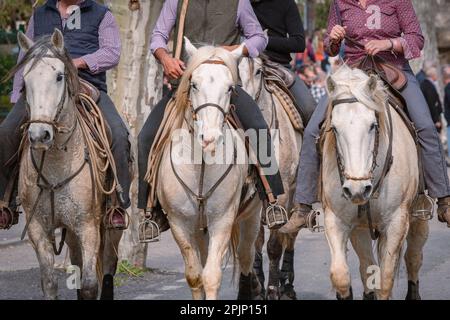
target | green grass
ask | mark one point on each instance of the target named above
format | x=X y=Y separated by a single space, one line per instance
x=124 y=270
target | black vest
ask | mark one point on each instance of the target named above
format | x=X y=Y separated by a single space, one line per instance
x=79 y=42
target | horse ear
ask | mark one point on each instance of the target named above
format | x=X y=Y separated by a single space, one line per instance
x=372 y=83
x=58 y=40
x=238 y=52
x=191 y=50
x=331 y=85
x=25 y=43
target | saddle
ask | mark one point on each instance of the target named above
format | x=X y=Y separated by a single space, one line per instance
x=90 y=90
x=278 y=72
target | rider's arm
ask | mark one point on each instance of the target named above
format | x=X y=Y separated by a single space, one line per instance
x=255 y=39
x=412 y=41
x=161 y=33
x=331 y=47
x=108 y=56
x=18 y=77
x=294 y=26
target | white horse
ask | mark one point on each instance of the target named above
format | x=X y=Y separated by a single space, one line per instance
x=354 y=153
x=204 y=95
x=55 y=185
x=287 y=143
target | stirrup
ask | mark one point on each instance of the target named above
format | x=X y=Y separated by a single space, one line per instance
x=312 y=222
x=276 y=216
x=148 y=226
x=423 y=207
x=108 y=218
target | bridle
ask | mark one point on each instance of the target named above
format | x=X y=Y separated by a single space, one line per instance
x=342 y=170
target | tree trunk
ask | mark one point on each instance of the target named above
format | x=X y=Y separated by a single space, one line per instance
x=135 y=87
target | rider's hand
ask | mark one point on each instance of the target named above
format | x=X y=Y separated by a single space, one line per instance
x=173 y=68
x=79 y=63
x=375 y=46
x=338 y=33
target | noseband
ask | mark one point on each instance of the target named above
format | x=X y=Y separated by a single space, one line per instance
x=342 y=171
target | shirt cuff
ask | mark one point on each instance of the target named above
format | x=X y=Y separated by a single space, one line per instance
x=155 y=45
x=408 y=52
x=92 y=63
x=15 y=96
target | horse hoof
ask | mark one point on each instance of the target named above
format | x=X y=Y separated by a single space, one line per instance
x=288 y=292
x=107 y=287
x=413 y=291
x=245 y=287
x=273 y=293
x=350 y=296
x=369 y=296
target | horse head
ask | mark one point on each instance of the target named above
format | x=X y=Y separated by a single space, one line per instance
x=358 y=106
x=209 y=80
x=49 y=79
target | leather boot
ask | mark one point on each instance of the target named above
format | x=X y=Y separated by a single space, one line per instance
x=299 y=218
x=443 y=210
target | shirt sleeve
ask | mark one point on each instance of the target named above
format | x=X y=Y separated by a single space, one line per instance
x=295 y=42
x=332 y=49
x=18 y=77
x=255 y=39
x=108 y=56
x=412 y=40
x=166 y=21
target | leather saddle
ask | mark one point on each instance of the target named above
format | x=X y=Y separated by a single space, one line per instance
x=389 y=73
x=90 y=90
x=277 y=70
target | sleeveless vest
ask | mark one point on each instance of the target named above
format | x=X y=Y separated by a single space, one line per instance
x=209 y=22
x=78 y=41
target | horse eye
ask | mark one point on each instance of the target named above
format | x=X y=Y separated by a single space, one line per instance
x=59 y=77
x=230 y=89
x=194 y=86
x=258 y=72
x=373 y=126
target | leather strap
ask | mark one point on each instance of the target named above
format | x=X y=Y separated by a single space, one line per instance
x=181 y=29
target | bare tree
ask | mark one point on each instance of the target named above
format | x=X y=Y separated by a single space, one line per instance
x=135 y=86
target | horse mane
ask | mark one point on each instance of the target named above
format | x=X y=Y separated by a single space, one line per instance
x=40 y=50
x=202 y=55
x=353 y=82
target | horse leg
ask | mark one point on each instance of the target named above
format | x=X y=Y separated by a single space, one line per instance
x=389 y=250
x=111 y=239
x=287 y=274
x=76 y=258
x=220 y=237
x=249 y=231
x=89 y=236
x=362 y=244
x=258 y=263
x=417 y=236
x=274 y=251
x=337 y=234
x=44 y=251
x=192 y=259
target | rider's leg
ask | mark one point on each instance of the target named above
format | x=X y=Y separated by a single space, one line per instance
x=434 y=165
x=251 y=118
x=120 y=146
x=11 y=136
x=308 y=171
x=305 y=101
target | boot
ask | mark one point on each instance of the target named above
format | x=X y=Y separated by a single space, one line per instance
x=8 y=217
x=300 y=215
x=443 y=210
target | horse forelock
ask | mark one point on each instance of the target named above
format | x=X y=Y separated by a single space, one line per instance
x=44 y=48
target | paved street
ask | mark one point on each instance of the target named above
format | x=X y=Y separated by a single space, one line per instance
x=19 y=273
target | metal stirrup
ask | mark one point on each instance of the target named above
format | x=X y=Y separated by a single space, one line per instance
x=312 y=222
x=276 y=215
x=423 y=207
x=149 y=224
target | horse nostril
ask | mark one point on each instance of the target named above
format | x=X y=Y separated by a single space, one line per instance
x=347 y=192
x=46 y=136
x=367 y=191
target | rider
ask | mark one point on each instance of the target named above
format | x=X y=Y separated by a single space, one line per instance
x=214 y=22
x=286 y=35
x=397 y=38
x=94 y=45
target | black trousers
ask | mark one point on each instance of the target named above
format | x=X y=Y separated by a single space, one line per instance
x=250 y=116
x=11 y=136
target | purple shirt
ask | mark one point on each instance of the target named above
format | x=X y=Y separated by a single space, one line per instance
x=255 y=39
x=398 y=20
x=107 y=57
